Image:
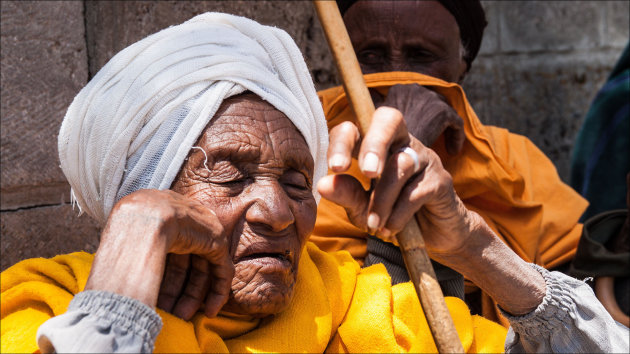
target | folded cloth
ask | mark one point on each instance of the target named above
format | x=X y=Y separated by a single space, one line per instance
x=337 y=307
x=597 y=255
x=594 y=257
x=502 y=176
x=134 y=123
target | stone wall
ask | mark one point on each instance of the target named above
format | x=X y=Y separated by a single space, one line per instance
x=540 y=66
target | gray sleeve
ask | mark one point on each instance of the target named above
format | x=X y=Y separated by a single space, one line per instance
x=569 y=320
x=104 y=322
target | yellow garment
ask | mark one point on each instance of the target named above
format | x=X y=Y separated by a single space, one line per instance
x=337 y=307
x=502 y=176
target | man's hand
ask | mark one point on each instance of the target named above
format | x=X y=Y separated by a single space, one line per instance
x=427 y=115
x=132 y=256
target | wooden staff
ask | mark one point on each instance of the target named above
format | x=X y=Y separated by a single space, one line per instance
x=410 y=238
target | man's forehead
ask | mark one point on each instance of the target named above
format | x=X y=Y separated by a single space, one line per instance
x=410 y=12
x=413 y=24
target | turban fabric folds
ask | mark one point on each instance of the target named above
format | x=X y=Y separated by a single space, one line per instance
x=469 y=15
x=134 y=123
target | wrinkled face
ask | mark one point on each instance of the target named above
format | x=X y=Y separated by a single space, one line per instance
x=258 y=181
x=418 y=36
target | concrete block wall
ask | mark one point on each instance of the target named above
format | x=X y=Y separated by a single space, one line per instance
x=540 y=65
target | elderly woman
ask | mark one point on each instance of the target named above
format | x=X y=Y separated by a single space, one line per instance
x=198 y=148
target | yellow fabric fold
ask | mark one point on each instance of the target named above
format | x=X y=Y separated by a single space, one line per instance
x=502 y=176
x=35 y=290
x=337 y=307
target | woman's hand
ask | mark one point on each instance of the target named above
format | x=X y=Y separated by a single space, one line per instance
x=454 y=236
x=401 y=188
x=141 y=230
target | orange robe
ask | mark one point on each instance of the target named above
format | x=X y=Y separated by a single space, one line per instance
x=502 y=176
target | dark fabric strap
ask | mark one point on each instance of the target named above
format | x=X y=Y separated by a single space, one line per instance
x=378 y=251
x=594 y=258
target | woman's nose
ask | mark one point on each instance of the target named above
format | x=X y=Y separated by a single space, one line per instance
x=270 y=207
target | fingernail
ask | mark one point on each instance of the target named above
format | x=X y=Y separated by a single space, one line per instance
x=337 y=160
x=370 y=162
x=385 y=233
x=373 y=221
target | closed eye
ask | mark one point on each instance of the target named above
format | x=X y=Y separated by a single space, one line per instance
x=296 y=180
x=229 y=183
x=225 y=174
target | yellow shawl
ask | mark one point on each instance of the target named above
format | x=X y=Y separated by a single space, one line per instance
x=502 y=176
x=337 y=307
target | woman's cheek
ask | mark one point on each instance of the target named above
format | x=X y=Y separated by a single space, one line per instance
x=306 y=214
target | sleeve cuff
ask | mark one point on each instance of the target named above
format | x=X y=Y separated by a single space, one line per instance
x=121 y=311
x=554 y=310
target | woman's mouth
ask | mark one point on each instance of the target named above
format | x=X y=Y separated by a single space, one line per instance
x=268 y=262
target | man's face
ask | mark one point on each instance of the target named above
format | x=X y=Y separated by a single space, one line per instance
x=418 y=36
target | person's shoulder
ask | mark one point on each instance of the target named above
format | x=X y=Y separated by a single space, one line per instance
x=507 y=143
x=35 y=290
x=69 y=271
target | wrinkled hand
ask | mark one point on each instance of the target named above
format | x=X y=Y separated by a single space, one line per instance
x=141 y=230
x=427 y=115
x=398 y=192
x=453 y=235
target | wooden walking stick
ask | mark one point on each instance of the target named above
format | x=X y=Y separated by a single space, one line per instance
x=410 y=238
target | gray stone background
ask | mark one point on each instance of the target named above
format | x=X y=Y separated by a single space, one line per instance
x=540 y=66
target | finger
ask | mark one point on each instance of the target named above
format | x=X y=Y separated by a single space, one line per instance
x=387 y=130
x=195 y=290
x=175 y=274
x=347 y=192
x=220 y=286
x=429 y=187
x=199 y=231
x=342 y=141
x=206 y=239
x=399 y=170
x=221 y=271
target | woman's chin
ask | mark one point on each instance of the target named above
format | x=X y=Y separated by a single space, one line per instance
x=261 y=299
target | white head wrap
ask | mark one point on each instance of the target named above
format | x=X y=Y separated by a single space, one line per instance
x=133 y=124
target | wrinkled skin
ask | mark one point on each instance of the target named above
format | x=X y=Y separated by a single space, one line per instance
x=259 y=183
x=417 y=36
x=399 y=192
x=422 y=37
x=453 y=235
x=245 y=220
x=229 y=236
